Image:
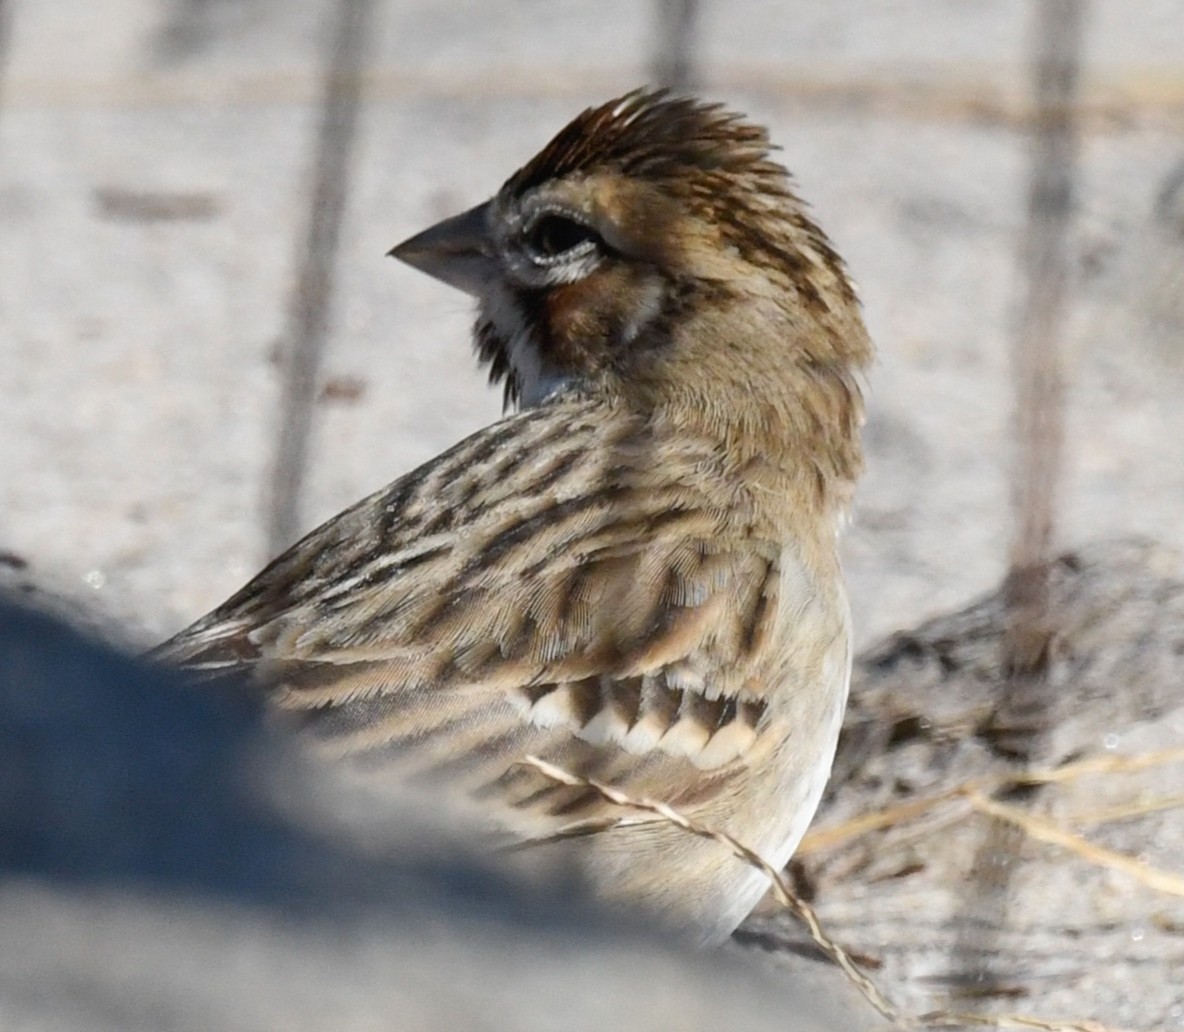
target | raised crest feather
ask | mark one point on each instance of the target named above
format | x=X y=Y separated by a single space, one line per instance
x=651 y=134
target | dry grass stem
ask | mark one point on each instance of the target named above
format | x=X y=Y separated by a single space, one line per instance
x=805 y=913
x=821 y=839
x=1046 y=831
x=818 y=840
x=781 y=889
x=950 y=1019
x=1125 y=811
x=1095 y=765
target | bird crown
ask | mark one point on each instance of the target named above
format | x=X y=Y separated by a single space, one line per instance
x=651 y=134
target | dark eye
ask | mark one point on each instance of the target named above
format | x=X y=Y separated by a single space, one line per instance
x=552 y=236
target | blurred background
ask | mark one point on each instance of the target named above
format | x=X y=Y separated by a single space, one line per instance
x=205 y=350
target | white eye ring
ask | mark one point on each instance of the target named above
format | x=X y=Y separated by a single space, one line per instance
x=553 y=237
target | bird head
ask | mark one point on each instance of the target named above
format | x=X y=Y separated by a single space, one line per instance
x=654 y=253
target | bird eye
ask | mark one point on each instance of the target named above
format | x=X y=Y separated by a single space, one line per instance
x=552 y=236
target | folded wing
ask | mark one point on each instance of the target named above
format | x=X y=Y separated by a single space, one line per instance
x=551 y=586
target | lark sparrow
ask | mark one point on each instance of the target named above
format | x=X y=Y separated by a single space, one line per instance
x=636 y=576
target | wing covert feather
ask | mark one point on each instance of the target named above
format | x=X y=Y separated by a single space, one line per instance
x=546 y=586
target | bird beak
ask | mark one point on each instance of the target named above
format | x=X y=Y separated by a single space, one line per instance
x=457 y=251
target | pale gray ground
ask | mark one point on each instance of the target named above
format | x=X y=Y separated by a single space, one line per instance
x=166 y=866
x=964 y=912
x=155 y=160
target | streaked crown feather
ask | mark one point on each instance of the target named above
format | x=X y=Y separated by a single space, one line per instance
x=650 y=134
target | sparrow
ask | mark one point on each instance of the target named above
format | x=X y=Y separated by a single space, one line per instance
x=634 y=576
